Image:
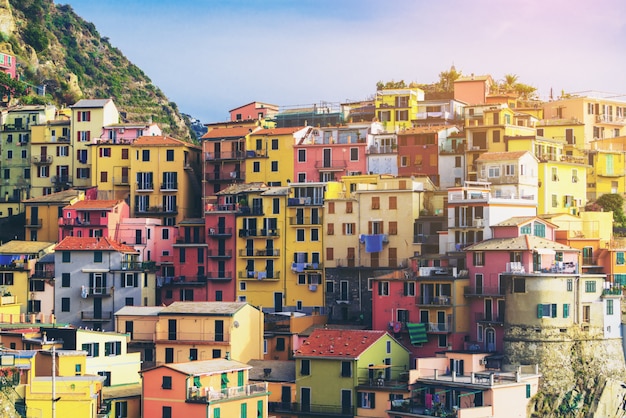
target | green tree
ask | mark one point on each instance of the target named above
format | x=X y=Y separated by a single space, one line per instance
x=447 y=79
x=613 y=202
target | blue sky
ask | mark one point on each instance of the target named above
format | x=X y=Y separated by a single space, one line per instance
x=212 y=56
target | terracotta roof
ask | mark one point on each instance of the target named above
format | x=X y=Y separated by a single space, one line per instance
x=24 y=247
x=203 y=308
x=501 y=156
x=521 y=243
x=95 y=204
x=473 y=78
x=161 y=141
x=278 y=131
x=519 y=220
x=332 y=343
x=236 y=132
x=92 y=244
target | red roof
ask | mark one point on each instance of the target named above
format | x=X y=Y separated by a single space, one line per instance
x=163 y=141
x=278 y=131
x=238 y=132
x=338 y=343
x=92 y=244
x=95 y=204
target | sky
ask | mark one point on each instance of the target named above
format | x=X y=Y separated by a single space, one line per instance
x=211 y=56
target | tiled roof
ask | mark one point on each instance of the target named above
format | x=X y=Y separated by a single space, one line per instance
x=423 y=130
x=207 y=366
x=473 y=78
x=243 y=188
x=236 y=132
x=90 y=103
x=332 y=343
x=519 y=220
x=279 y=370
x=95 y=204
x=521 y=243
x=203 y=308
x=140 y=310
x=92 y=244
x=500 y=156
x=24 y=247
x=64 y=196
x=161 y=141
x=278 y=131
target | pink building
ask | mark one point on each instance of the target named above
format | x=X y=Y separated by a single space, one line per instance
x=473 y=90
x=7 y=65
x=92 y=218
x=126 y=133
x=221 y=263
x=519 y=245
x=253 y=110
x=327 y=154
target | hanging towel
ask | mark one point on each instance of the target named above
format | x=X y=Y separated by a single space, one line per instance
x=261 y=275
x=373 y=243
x=429 y=400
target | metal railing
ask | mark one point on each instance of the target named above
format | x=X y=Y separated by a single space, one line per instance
x=203 y=395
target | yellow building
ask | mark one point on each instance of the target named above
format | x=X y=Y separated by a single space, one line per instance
x=43 y=213
x=17 y=264
x=165 y=181
x=561 y=185
x=270 y=155
x=396 y=108
x=50 y=157
x=569 y=132
x=208 y=330
x=112 y=168
x=140 y=323
x=605 y=173
x=602 y=117
x=89 y=116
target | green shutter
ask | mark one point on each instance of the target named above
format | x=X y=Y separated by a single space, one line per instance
x=244 y=410
x=216 y=413
x=539 y=310
x=553 y=310
x=96 y=350
x=527 y=391
x=566 y=310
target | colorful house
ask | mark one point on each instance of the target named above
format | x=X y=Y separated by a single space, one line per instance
x=280 y=378
x=210 y=388
x=92 y=218
x=473 y=89
x=208 y=330
x=50 y=156
x=94 y=277
x=140 y=323
x=43 y=214
x=605 y=173
x=166 y=180
x=338 y=372
x=253 y=111
x=396 y=108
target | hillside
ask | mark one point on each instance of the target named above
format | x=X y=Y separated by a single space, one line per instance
x=57 y=48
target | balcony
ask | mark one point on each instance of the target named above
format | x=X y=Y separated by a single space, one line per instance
x=43 y=274
x=259 y=275
x=392 y=263
x=33 y=223
x=156 y=210
x=490 y=318
x=259 y=233
x=438 y=327
x=263 y=252
x=91 y=316
x=95 y=291
x=482 y=291
x=225 y=176
x=250 y=211
x=220 y=232
x=334 y=165
x=259 y=153
x=219 y=254
x=145 y=187
x=305 y=201
x=121 y=181
x=224 y=156
x=314 y=410
x=200 y=336
x=219 y=276
x=189 y=241
x=170 y=281
x=304 y=267
x=169 y=186
x=204 y=395
x=382 y=149
x=434 y=301
x=132 y=266
x=59 y=180
x=41 y=159
x=305 y=220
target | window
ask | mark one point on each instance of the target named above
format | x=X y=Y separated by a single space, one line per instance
x=305 y=367
x=280 y=344
x=315 y=233
x=301 y=155
x=6 y=279
x=274 y=143
x=619 y=258
x=346 y=369
x=519 y=285
x=65 y=304
x=66 y=256
x=166 y=382
x=167 y=412
x=274 y=166
x=112 y=348
x=525 y=229
x=375 y=202
x=442 y=341
x=409 y=288
x=590 y=286
x=493 y=171
x=330 y=286
x=354 y=154
x=570 y=285
x=34 y=306
x=404 y=161
x=121 y=409
x=256 y=167
x=609 y=306
x=348 y=229
x=393 y=228
x=496 y=136
x=539 y=229
x=65 y=280
x=393 y=202
x=383 y=288
x=124 y=153
x=97 y=256
x=105 y=152
x=84 y=115
x=546 y=310
x=83 y=136
x=348 y=207
x=145 y=155
x=300 y=235
x=92 y=349
x=366 y=400
x=169 y=155
x=83 y=173
x=479 y=258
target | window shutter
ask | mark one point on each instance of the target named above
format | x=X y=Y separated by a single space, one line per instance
x=123 y=280
x=118 y=348
x=566 y=310
x=91 y=280
x=136 y=280
x=553 y=310
x=104 y=280
x=369 y=228
x=539 y=310
x=96 y=349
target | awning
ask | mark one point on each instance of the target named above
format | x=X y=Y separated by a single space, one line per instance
x=379 y=366
x=417 y=333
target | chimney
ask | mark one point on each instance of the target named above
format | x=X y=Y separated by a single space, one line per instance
x=267 y=372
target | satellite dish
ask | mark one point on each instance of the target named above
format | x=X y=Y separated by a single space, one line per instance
x=236 y=324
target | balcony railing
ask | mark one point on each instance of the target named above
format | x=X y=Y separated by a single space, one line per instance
x=220 y=232
x=305 y=220
x=435 y=300
x=316 y=409
x=215 y=253
x=41 y=159
x=263 y=252
x=206 y=394
x=33 y=223
x=219 y=276
x=305 y=201
x=493 y=318
x=224 y=155
x=392 y=263
x=132 y=265
x=96 y=316
x=43 y=274
x=121 y=181
x=482 y=291
x=163 y=281
x=259 y=275
x=61 y=179
x=331 y=165
x=170 y=185
x=258 y=233
x=95 y=291
x=224 y=176
x=145 y=187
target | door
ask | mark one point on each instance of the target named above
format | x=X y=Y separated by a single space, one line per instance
x=221 y=225
x=441 y=320
x=327 y=157
x=169 y=355
x=124 y=175
x=490 y=337
x=218 y=150
x=219 y=330
x=285 y=397
x=278 y=302
x=171 y=329
x=97 y=308
x=479 y=284
x=305 y=399
x=500 y=316
x=488 y=310
x=346 y=401
x=351 y=257
x=424 y=319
